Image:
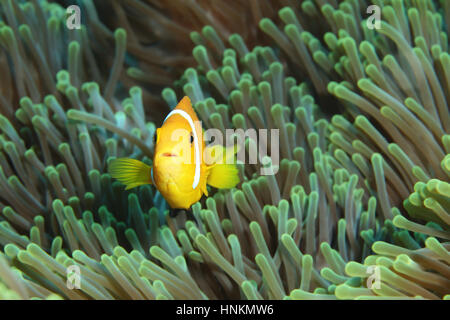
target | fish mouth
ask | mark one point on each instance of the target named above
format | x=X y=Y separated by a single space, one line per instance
x=168 y=154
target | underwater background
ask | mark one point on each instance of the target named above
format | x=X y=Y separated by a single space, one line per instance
x=363 y=182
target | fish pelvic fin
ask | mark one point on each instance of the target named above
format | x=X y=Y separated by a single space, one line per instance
x=223 y=174
x=132 y=173
x=204 y=189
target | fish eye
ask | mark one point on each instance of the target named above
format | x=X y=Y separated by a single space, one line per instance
x=192 y=138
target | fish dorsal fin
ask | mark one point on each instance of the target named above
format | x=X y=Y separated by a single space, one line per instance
x=186 y=105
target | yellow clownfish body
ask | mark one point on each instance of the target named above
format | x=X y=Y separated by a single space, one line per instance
x=179 y=170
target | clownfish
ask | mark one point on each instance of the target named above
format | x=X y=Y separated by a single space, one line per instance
x=181 y=169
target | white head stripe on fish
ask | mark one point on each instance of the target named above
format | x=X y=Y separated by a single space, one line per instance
x=185 y=115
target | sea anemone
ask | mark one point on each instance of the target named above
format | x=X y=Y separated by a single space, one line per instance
x=358 y=207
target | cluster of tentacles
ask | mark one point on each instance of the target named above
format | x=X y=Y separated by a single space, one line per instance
x=362 y=187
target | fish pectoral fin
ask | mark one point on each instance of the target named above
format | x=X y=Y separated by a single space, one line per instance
x=223 y=176
x=218 y=154
x=223 y=172
x=132 y=173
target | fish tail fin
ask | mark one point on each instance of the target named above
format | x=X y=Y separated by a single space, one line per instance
x=223 y=175
x=132 y=173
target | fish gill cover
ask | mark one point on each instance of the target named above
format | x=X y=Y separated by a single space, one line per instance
x=363 y=181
